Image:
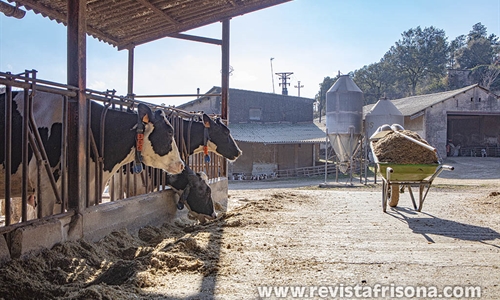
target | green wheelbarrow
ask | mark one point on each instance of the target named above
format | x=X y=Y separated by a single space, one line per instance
x=397 y=177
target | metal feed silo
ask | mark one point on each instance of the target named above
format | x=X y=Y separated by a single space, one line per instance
x=383 y=112
x=344 y=118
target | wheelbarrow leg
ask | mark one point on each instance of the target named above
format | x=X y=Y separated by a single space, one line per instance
x=412 y=198
x=385 y=188
x=422 y=195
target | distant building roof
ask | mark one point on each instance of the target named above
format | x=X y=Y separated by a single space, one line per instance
x=278 y=133
x=412 y=105
x=217 y=90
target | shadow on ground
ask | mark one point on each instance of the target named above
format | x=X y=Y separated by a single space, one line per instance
x=428 y=224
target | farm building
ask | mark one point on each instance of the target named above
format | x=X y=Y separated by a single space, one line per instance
x=275 y=132
x=71 y=183
x=461 y=122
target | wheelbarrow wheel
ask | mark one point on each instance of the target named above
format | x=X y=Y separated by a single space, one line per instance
x=393 y=195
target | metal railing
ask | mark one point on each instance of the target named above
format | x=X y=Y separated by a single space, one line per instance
x=17 y=186
x=479 y=151
x=307 y=171
x=30 y=144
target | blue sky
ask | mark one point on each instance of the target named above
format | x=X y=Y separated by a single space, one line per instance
x=311 y=38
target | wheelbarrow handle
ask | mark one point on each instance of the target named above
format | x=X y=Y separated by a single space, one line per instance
x=448 y=168
x=416 y=141
x=388 y=172
x=440 y=169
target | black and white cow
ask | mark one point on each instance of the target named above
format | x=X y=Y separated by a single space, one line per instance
x=217 y=137
x=119 y=136
x=194 y=191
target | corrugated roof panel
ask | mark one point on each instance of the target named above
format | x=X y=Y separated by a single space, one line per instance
x=279 y=133
x=122 y=23
x=412 y=105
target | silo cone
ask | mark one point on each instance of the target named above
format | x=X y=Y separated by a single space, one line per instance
x=383 y=112
x=344 y=119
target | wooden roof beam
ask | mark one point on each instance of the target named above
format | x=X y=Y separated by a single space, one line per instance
x=177 y=36
x=157 y=11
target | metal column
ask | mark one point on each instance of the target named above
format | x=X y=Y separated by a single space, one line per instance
x=77 y=108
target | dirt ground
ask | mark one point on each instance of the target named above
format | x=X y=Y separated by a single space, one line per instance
x=289 y=233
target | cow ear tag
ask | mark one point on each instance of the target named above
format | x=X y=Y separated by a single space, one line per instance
x=205 y=151
x=137 y=168
x=205 y=141
x=139 y=138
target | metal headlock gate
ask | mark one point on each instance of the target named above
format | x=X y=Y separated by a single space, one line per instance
x=31 y=146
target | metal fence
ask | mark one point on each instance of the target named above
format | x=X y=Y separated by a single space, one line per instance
x=15 y=190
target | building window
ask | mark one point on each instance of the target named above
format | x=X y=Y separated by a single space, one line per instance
x=255 y=114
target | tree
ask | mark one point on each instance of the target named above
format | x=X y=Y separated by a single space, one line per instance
x=419 y=54
x=375 y=80
x=418 y=62
x=485 y=75
x=480 y=55
x=456 y=44
x=478 y=31
x=480 y=49
x=321 y=95
x=477 y=52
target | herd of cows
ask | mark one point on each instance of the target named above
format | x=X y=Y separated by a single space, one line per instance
x=115 y=134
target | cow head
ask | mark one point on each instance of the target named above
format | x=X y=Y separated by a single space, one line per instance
x=221 y=140
x=196 y=191
x=159 y=149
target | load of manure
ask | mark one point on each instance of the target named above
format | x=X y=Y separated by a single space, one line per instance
x=396 y=149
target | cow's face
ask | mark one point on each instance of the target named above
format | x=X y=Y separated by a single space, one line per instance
x=221 y=140
x=196 y=191
x=159 y=149
x=199 y=197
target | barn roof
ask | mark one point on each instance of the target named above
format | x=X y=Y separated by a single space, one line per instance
x=412 y=105
x=279 y=133
x=125 y=23
x=247 y=93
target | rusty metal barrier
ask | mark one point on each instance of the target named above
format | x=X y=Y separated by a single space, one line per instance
x=15 y=204
x=128 y=184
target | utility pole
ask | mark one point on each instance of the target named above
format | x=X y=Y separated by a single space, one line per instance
x=284 y=76
x=272 y=73
x=298 y=86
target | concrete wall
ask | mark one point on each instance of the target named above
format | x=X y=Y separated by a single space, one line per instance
x=291 y=156
x=459 y=78
x=474 y=101
x=273 y=107
x=283 y=156
x=416 y=125
x=220 y=189
x=244 y=163
x=98 y=221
